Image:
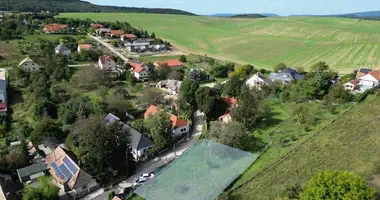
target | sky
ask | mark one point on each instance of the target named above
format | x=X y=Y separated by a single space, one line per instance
x=281 y=7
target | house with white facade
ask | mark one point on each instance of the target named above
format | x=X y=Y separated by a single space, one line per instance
x=140 y=143
x=227 y=116
x=63 y=50
x=139 y=70
x=106 y=63
x=171 y=86
x=258 y=80
x=28 y=64
x=179 y=126
x=363 y=83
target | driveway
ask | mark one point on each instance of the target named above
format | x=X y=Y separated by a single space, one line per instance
x=150 y=166
x=109 y=47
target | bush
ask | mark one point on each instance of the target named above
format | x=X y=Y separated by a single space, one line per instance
x=183 y=58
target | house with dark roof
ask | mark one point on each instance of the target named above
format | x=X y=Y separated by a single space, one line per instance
x=140 y=143
x=362 y=72
x=63 y=168
x=286 y=76
x=32 y=172
x=179 y=126
x=63 y=50
x=8 y=188
x=107 y=63
x=138 y=69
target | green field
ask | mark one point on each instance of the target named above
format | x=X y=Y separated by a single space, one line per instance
x=345 y=44
x=350 y=143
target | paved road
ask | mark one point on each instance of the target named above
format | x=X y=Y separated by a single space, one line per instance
x=80 y=65
x=198 y=119
x=109 y=47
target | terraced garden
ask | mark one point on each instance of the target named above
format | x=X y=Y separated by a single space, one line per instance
x=345 y=44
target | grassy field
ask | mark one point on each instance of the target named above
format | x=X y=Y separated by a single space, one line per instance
x=345 y=44
x=350 y=143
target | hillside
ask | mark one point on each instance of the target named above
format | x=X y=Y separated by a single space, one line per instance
x=248 y=16
x=350 y=143
x=345 y=44
x=78 y=6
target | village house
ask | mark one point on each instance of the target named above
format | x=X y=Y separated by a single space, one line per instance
x=172 y=64
x=84 y=47
x=363 y=83
x=28 y=64
x=179 y=126
x=128 y=37
x=55 y=28
x=101 y=31
x=106 y=63
x=171 y=86
x=144 y=45
x=70 y=177
x=286 y=76
x=63 y=50
x=258 y=80
x=117 y=33
x=30 y=173
x=140 y=143
x=96 y=26
x=362 y=72
x=1 y=17
x=227 y=117
x=139 y=70
x=3 y=91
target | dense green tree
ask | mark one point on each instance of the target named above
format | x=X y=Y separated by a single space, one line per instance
x=303 y=112
x=320 y=67
x=244 y=71
x=48 y=131
x=160 y=129
x=279 y=67
x=102 y=148
x=222 y=70
x=182 y=58
x=347 y=77
x=233 y=86
x=74 y=109
x=139 y=125
x=17 y=157
x=209 y=102
x=232 y=134
x=187 y=91
x=46 y=190
x=118 y=104
x=91 y=77
x=251 y=109
x=337 y=185
x=338 y=95
x=175 y=75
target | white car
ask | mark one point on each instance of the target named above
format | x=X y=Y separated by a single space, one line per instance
x=142 y=179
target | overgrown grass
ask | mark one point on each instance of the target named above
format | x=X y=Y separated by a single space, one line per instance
x=349 y=143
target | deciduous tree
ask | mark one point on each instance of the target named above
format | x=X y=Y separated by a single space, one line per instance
x=209 y=102
x=337 y=185
x=279 y=67
x=160 y=129
x=91 y=77
x=187 y=91
x=46 y=190
x=233 y=86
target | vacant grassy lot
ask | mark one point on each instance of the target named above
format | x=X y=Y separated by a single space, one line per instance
x=345 y=44
x=350 y=143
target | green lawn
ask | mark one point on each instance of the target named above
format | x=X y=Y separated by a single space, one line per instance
x=343 y=43
x=350 y=143
x=53 y=37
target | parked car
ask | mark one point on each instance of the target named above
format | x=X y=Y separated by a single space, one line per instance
x=142 y=179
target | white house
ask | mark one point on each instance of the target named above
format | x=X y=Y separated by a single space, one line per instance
x=3 y=91
x=63 y=50
x=368 y=81
x=28 y=64
x=171 y=86
x=227 y=116
x=106 y=63
x=140 y=143
x=139 y=70
x=258 y=80
x=179 y=126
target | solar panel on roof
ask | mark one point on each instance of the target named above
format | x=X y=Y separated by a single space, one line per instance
x=66 y=172
x=364 y=70
x=70 y=165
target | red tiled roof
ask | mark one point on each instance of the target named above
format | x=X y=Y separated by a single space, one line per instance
x=3 y=107
x=229 y=101
x=355 y=82
x=375 y=74
x=176 y=121
x=116 y=198
x=104 y=58
x=85 y=46
x=129 y=36
x=170 y=63
x=117 y=32
x=137 y=66
x=55 y=27
x=93 y=25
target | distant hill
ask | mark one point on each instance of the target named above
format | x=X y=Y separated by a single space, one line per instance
x=367 y=14
x=248 y=16
x=235 y=14
x=78 y=6
x=362 y=15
